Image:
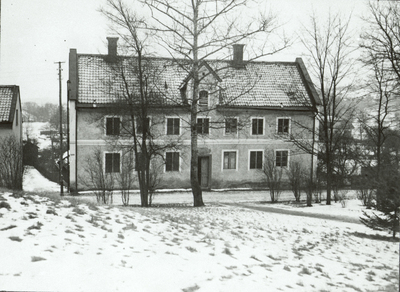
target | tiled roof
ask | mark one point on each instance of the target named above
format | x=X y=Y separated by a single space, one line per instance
x=8 y=100
x=257 y=84
x=102 y=82
x=264 y=84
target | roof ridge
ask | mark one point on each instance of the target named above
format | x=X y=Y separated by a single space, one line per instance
x=181 y=59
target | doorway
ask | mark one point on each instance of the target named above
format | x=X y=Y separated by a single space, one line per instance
x=204 y=171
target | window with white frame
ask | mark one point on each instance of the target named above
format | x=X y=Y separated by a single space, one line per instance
x=229 y=159
x=203 y=126
x=283 y=126
x=256 y=159
x=257 y=126
x=173 y=126
x=171 y=161
x=112 y=126
x=231 y=126
x=282 y=158
x=112 y=162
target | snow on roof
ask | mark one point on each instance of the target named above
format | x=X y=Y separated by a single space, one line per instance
x=8 y=101
x=256 y=84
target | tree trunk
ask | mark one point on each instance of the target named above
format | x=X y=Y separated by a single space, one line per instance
x=328 y=181
x=194 y=164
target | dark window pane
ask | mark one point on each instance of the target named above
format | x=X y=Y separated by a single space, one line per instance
x=109 y=163
x=168 y=161
x=109 y=126
x=203 y=126
x=283 y=126
x=173 y=126
x=139 y=123
x=254 y=127
x=257 y=126
x=255 y=159
x=112 y=162
x=259 y=160
x=230 y=160
x=282 y=158
x=172 y=161
x=112 y=126
x=252 y=160
x=116 y=126
x=230 y=126
x=116 y=162
x=175 y=161
x=260 y=126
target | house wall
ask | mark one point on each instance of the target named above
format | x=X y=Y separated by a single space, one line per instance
x=90 y=134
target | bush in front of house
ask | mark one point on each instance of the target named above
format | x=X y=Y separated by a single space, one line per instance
x=11 y=168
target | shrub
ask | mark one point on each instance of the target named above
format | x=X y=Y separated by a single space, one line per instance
x=11 y=167
x=273 y=176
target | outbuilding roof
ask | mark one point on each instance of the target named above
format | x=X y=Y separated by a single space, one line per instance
x=8 y=102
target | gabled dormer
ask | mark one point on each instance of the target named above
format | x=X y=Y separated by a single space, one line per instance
x=209 y=80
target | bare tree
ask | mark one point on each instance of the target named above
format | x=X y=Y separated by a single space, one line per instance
x=381 y=46
x=126 y=177
x=199 y=29
x=297 y=177
x=382 y=38
x=329 y=48
x=138 y=93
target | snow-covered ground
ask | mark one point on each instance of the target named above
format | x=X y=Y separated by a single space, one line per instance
x=33 y=181
x=59 y=245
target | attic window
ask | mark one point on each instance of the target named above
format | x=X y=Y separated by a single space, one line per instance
x=203 y=98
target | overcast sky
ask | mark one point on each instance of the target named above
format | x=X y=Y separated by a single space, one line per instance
x=37 y=33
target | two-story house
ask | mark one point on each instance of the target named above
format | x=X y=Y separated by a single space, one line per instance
x=10 y=112
x=248 y=112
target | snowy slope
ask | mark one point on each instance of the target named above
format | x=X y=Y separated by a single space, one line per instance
x=59 y=246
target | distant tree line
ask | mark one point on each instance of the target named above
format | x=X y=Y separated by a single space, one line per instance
x=49 y=112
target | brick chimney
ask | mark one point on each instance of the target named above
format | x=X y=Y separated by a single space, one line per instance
x=112 y=47
x=238 y=55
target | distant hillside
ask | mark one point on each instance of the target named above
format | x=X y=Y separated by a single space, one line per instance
x=49 y=112
x=38 y=113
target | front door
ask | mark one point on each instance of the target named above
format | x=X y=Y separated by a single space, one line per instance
x=204 y=172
